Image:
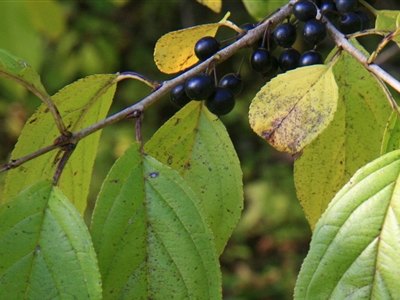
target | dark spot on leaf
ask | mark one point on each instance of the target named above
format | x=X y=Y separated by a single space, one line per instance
x=153 y=174
x=268 y=135
x=32 y=121
x=46 y=110
x=177 y=121
x=187 y=165
x=114 y=181
x=169 y=160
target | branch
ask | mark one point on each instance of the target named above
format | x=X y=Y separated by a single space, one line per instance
x=160 y=89
x=342 y=42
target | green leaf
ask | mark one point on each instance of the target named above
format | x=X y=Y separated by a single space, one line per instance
x=387 y=20
x=45 y=248
x=355 y=248
x=261 y=8
x=350 y=141
x=195 y=143
x=150 y=237
x=21 y=72
x=291 y=110
x=391 y=136
x=80 y=104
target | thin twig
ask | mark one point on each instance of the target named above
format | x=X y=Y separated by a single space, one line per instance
x=247 y=40
x=342 y=42
x=68 y=150
x=42 y=95
x=139 y=77
x=17 y=162
x=388 y=38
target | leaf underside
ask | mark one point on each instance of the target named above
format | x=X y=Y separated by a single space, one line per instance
x=351 y=140
x=45 y=248
x=355 y=248
x=150 y=237
x=196 y=144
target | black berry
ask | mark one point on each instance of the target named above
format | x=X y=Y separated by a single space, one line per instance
x=261 y=60
x=206 y=47
x=273 y=68
x=289 y=59
x=304 y=10
x=199 y=87
x=350 y=22
x=365 y=22
x=178 y=95
x=309 y=58
x=327 y=6
x=247 y=26
x=232 y=82
x=314 y=31
x=221 y=102
x=346 y=5
x=285 y=35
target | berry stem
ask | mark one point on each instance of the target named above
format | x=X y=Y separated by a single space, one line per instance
x=383 y=44
x=136 y=76
x=67 y=152
x=369 y=7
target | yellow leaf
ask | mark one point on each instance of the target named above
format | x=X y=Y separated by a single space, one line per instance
x=294 y=108
x=174 y=51
x=214 y=5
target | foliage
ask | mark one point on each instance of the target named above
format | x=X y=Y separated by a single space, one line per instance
x=168 y=220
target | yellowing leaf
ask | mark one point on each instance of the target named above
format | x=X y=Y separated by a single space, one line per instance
x=294 y=108
x=214 y=5
x=350 y=141
x=391 y=136
x=174 y=51
x=81 y=104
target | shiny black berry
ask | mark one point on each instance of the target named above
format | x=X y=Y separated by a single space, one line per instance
x=350 y=22
x=346 y=5
x=261 y=60
x=314 y=31
x=327 y=6
x=285 y=35
x=199 y=87
x=206 y=47
x=232 y=82
x=221 y=101
x=304 y=10
x=273 y=68
x=289 y=59
x=309 y=58
x=365 y=21
x=178 y=95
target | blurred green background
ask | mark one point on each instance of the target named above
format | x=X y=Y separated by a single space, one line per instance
x=67 y=40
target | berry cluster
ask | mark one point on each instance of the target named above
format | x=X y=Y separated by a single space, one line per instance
x=285 y=35
x=219 y=98
x=305 y=23
x=346 y=14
